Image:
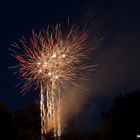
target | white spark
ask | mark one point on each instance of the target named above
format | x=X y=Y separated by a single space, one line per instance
x=40 y=71
x=49 y=74
x=138 y=136
x=45 y=63
x=54 y=55
x=38 y=63
x=63 y=55
x=56 y=77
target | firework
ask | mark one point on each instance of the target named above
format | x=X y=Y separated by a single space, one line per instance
x=51 y=61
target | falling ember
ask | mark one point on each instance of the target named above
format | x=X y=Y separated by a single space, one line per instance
x=52 y=61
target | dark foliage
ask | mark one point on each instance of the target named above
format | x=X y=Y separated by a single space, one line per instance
x=7 y=126
x=28 y=120
x=122 y=120
x=80 y=136
x=24 y=124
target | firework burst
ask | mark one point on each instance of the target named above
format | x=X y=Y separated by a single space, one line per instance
x=51 y=61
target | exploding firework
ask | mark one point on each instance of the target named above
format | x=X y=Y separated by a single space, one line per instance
x=51 y=61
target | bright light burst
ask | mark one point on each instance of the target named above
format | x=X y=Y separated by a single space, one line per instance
x=51 y=61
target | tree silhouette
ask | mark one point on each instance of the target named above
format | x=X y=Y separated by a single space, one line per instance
x=7 y=126
x=122 y=120
x=28 y=121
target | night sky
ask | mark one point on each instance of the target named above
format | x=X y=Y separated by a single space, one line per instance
x=116 y=23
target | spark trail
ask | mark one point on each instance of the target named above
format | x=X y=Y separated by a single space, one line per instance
x=51 y=61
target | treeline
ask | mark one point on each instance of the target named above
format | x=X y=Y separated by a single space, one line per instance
x=121 y=121
x=23 y=124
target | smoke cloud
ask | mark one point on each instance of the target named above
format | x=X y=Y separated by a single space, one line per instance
x=117 y=56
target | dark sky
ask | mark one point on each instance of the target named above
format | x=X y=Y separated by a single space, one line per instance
x=118 y=54
x=18 y=18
